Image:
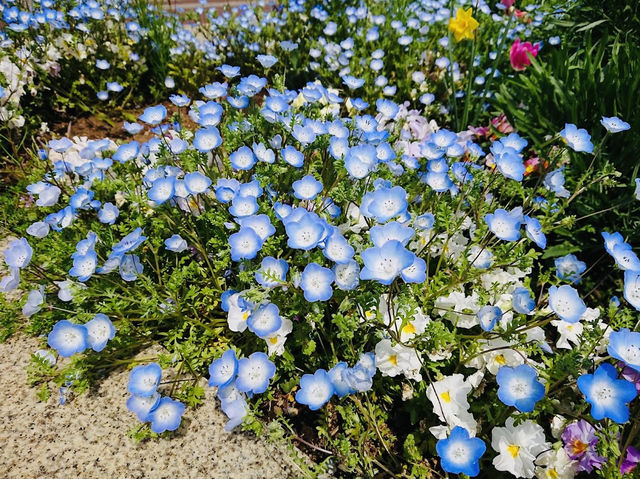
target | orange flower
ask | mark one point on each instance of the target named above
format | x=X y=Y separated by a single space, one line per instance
x=463 y=25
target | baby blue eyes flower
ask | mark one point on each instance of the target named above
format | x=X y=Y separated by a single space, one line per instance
x=566 y=303
x=214 y=90
x=347 y=275
x=254 y=373
x=554 y=181
x=522 y=301
x=504 y=225
x=196 y=183
x=614 y=124
x=360 y=160
x=316 y=282
x=305 y=233
x=337 y=248
x=625 y=257
x=533 y=228
x=245 y=244
x=153 y=115
x=108 y=214
x=637 y=192
x=99 y=331
x=206 y=139
x=387 y=108
x=18 y=254
x=142 y=406
x=385 y=263
x=130 y=242
x=264 y=320
x=84 y=265
x=304 y=134
x=144 y=380
x=243 y=206
x=510 y=165
x=272 y=272
x=162 y=190
x=385 y=203
x=315 y=389
x=130 y=267
x=336 y=376
x=519 y=387
x=607 y=394
x=459 y=453
x=416 y=272
x=223 y=370
x=10 y=281
x=229 y=71
x=242 y=159
x=126 y=152
x=488 y=316
x=624 y=345
x=35 y=299
x=180 y=100
x=61 y=145
x=68 y=338
x=103 y=64
x=166 y=416
x=175 y=243
x=267 y=61
x=307 y=188
x=570 y=268
x=632 y=288
x=352 y=82
x=578 y=139
x=292 y=156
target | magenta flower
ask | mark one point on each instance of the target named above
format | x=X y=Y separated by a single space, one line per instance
x=631 y=375
x=580 y=445
x=631 y=461
x=519 y=54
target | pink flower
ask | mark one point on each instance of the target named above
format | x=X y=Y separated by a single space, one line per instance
x=519 y=54
x=508 y=3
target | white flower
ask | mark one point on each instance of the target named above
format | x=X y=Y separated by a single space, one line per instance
x=518 y=447
x=275 y=342
x=394 y=360
x=497 y=353
x=461 y=310
x=449 y=396
x=569 y=333
x=555 y=465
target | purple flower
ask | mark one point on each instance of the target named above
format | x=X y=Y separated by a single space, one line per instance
x=631 y=375
x=631 y=461
x=580 y=445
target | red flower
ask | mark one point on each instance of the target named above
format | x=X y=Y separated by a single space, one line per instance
x=519 y=54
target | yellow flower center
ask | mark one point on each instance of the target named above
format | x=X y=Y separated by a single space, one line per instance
x=393 y=359
x=273 y=340
x=409 y=329
x=578 y=447
x=446 y=397
x=552 y=473
x=501 y=360
x=513 y=450
x=245 y=315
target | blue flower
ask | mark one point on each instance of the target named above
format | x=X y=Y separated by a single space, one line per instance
x=223 y=370
x=505 y=225
x=292 y=156
x=625 y=346
x=625 y=257
x=632 y=288
x=416 y=272
x=306 y=232
x=254 y=373
x=304 y=134
x=360 y=160
x=352 y=82
x=519 y=387
x=243 y=206
x=162 y=190
x=126 y=152
x=515 y=141
x=18 y=254
x=387 y=108
x=307 y=188
x=566 y=303
x=242 y=159
x=175 y=243
x=267 y=61
x=144 y=379
x=385 y=263
x=315 y=389
x=336 y=376
x=206 y=139
x=533 y=228
x=614 y=124
x=130 y=242
x=347 y=275
x=393 y=230
x=578 y=139
x=214 y=90
x=245 y=244
x=142 y=406
x=84 y=265
x=554 y=181
x=443 y=138
x=488 y=316
x=264 y=320
x=337 y=248
x=166 y=416
x=607 y=394
x=510 y=165
x=459 y=453
x=153 y=115
x=68 y=338
x=316 y=282
x=108 y=214
x=130 y=267
x=196 y=183
x=384 y=203
x=570 y=268
x=272 y=272
x=99 y=330
x=229 y=71
x=522 y=301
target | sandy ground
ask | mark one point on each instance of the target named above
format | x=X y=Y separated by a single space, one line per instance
x=87 y=437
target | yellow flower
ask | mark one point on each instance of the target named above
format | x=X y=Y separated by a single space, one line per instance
x=463 y=25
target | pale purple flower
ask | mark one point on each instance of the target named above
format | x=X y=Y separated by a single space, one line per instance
x=580 y=445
